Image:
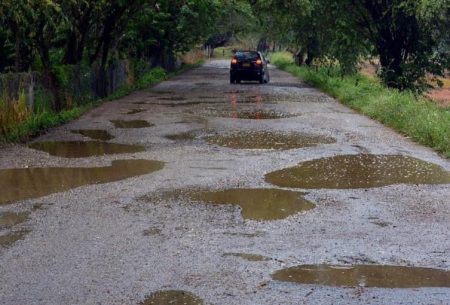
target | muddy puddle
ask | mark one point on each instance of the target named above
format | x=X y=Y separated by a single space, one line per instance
x=248 y=257
x=81 y=149
x=359 y=171
x=365 y=276
x=172 y=297
x=26 y=183
x=9 y=239
x=10 y=219
x=183 y=136
x=257 y=204
x=134 y=111
x=131 y=124
x=95 y=134
x=268 y=140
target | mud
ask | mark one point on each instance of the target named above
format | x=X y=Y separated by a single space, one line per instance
x=359 y=171
x=26 y=183
x=81 y=149
x=268 y=140
x=11 y=238
x=131 y=124
x=172 y=297
x=134 y=111
x=257 y=204
x=95 y=134
x=380 y=276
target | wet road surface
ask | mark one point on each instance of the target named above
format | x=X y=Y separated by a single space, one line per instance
x=173 y=200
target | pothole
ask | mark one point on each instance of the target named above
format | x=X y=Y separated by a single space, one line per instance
x=25 y=183
x=81 y=149
x=95 y=134
x=172 y=297
x=172 y=98
x=380 y=276
x=268 y=140
x=134 y=111
x=257 y=204
x=248 y=257
x=184 y=136
x=131 y=124
x=252 y=114
x=359 y=171
x=10 y=219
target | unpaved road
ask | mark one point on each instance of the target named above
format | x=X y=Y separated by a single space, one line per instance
x=118 y=242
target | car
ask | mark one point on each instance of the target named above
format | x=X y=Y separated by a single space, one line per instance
x=249 y=65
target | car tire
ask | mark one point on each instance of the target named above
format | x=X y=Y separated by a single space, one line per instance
x=232 y=80
x=261 y=79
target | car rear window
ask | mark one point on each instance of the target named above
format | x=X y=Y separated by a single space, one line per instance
x=247 y=55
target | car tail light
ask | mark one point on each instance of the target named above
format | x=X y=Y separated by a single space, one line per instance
x=234 y=61
x=259 y=62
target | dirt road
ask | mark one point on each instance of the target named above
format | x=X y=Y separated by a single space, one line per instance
x=325 y=206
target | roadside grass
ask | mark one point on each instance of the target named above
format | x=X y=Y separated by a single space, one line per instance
x=16 y=124
x=416 y=117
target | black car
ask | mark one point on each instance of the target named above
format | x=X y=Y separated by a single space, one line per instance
x=249 y=65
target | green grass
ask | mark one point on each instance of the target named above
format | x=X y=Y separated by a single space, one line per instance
x=44 y=119
x=416 y=117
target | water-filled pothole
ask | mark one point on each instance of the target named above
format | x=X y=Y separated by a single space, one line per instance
x=172 y=98
x=184 y=136
x=134 y=111
x=96 y=134
x=257 y=204
x=172 y=297
x=253 y=115
x=248 y=257
x=10 y=219
x=365 y=276
x=25 y=183
x=359 y=171
x=81 y=149
x=268 y=140
x=131 y=124
x=9 y=239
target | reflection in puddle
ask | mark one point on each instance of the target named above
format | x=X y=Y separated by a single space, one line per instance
x=248 y=257
x=184 y=136
x=11 y=238
x=268 y=140
x=365 y=276
x=359 y=171
x=25 y=183
x=172 y=297
x=131 y=124
x=96 y=134
x=134 y=111
x=10 y=219
x=258 y=204
x=81 y=149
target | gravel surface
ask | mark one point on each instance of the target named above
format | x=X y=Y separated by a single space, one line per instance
x=119 y=242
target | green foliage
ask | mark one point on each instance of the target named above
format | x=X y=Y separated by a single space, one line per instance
x=415 y=117
x=154 y=76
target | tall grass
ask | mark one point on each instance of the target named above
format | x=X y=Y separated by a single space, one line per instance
x=416 y=117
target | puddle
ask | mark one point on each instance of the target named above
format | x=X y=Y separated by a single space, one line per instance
x=365 y=276
x=359 y=171
x=184 y=136
x=131 y=124
x=25 y=183
x=10 y=219
x=172 y=297
x=172 y=98
x=81 y=149
x=254 y=115
x=96 y=134
x=258 y=204
x=134 y=111
x=248 y=257
x=9 y=239
x=268 y=140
